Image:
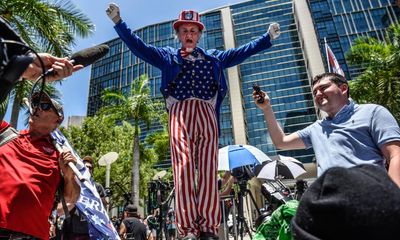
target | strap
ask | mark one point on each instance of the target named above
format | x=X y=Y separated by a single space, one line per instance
x=8 y=135
x=61 y=194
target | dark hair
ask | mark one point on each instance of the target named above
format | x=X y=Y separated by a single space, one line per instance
x=333 y=77
x=88 y=159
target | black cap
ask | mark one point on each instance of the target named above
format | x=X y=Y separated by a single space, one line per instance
x=45 y=97
x=131 y=208
x=349 y=203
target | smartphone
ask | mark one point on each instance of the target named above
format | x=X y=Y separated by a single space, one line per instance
x=257 y=89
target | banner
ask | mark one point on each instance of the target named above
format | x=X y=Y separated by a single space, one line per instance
x=89 y=202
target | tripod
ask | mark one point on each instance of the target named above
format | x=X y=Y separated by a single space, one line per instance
x=161 y=219
x=242 y=224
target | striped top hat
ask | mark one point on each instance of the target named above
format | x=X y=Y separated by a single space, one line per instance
x=188 y=16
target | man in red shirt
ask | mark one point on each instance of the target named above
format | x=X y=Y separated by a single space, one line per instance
x=31 y=170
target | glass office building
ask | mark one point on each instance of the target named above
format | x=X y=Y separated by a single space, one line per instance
x=342 y=21
x=281 y=71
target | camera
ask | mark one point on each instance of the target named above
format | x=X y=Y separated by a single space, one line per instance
x=243 y=173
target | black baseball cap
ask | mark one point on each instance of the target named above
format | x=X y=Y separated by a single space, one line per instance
x=37 y=97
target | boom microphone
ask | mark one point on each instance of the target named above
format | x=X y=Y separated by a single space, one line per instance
x=85 y=56
x=90 y=55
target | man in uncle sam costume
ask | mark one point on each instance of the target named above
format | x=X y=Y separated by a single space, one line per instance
x=193 y=85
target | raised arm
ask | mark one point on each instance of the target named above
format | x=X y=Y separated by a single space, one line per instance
x=148 y=53
x=279 y=138
x=62 y=68
x=236 y=56
x=71 y=187
x=391 y=152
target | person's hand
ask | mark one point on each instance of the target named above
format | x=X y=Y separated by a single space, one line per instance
x=61 y=66
x=113 y=13
x=52 y=232
x=274 y=30
x=264 y=95
x=65 y=158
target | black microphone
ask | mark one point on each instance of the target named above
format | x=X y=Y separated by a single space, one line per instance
x=90 y=55
x=85 y=56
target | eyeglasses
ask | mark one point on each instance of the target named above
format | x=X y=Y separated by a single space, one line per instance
x=45 y=106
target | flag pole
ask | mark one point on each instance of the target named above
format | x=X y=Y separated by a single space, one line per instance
x=326 y=54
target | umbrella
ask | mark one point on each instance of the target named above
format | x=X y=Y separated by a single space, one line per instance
x=233 y=156
x=287 y=167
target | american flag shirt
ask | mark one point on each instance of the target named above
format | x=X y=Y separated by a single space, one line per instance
x=196 y=80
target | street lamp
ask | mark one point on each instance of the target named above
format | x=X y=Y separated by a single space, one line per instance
x=106 y=160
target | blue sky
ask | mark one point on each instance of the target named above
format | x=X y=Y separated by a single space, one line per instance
x=137 y=14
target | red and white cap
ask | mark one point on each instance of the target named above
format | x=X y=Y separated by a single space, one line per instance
x=188 y=16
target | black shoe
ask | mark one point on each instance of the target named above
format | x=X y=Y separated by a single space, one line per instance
x=208 y=236
x=189 y=236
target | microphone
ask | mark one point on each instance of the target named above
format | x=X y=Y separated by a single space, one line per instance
x=85 y=57
x=90 y=55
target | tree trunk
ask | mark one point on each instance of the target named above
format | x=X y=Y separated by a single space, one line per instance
x=16 y=107
x=135 y=168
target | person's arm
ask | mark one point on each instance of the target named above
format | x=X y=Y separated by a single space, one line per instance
x=228 y=187
x=279 y=138
x=150 y=236
x=236 y=56
x=148 y=53
x=385 y=133
x=391 y=152
x=122 y=230
x=102 y=193
x=71 y=187
x=61 y=66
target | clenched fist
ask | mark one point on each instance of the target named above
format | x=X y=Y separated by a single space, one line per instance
x=274 y=30
x=113 y=12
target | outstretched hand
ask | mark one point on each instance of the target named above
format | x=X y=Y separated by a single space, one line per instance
x=113 y=12
x=62 y=68
x=274 y=30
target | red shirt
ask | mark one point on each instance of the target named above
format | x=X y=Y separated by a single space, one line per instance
x=30 y=175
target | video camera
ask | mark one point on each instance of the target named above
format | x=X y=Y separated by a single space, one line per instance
x=14 y=58
x=243 y=173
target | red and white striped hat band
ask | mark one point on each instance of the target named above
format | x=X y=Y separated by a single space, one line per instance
x=188 y=16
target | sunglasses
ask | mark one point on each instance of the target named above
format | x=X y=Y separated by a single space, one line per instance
x=45 y=106
x=89 y=167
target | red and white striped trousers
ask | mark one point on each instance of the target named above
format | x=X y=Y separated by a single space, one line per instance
x=193 y=132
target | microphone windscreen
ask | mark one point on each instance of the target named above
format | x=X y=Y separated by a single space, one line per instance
x=90 y=55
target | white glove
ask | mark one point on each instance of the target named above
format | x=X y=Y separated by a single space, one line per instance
x=113 y=12
x=274 y=30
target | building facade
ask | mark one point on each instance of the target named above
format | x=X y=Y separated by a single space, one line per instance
x=342 y=21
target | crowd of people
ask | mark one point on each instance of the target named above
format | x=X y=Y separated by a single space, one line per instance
x=355 y=145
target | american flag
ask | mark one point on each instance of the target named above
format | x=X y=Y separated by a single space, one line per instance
x=89 y=202
x=333 y=65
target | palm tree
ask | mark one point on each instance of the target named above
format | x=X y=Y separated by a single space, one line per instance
x=3 y=109
x=380 y=81
x=137 y=108
x=46 y=26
